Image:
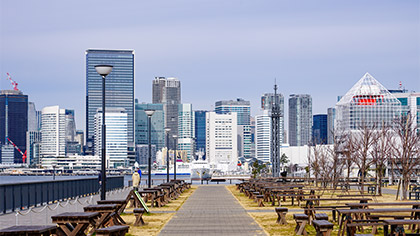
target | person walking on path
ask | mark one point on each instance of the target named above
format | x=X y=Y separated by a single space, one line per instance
x=136 y=180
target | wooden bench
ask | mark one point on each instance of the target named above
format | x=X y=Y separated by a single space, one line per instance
x=281 y=215
x=301 y=221
x=79 y=221
x=33 y=230
x=397 y=226
x=116 y=230
x=323 y=227
x=138 y=213
x=260 y=199
x=321 y=216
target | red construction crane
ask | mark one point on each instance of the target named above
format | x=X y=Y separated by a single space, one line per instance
x=16 y=147
x=14 y=83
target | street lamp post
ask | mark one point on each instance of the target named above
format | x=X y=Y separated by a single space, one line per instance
x=149 y=114
x=167 y=153
x=103 y=70
x=176 y=144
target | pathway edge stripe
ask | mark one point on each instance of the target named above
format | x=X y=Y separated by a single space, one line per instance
x=226 y=187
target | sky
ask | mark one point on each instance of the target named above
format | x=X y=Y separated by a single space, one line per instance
x=218 y=49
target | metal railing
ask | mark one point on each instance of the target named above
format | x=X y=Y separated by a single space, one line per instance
x=31 y=194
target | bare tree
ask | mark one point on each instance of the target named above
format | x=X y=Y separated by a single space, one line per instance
x=406 y=150
x=380 y=152
x=362 y=141
x=335 y=153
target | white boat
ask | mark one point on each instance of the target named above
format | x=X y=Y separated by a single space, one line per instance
x=181 y=169
x=200 y=169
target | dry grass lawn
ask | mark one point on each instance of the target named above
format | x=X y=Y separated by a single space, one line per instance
x=267 y=220
x=156 y=221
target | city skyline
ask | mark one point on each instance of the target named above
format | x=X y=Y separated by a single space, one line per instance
x=218 y=50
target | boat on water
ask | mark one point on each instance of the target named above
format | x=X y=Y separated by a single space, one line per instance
x=181 y=169
x=200 y=168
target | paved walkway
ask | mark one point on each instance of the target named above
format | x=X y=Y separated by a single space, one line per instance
x=212 y=210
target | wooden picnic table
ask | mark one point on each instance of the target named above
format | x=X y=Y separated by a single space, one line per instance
x=79 y=222
x=367 y=205
x=108 y=214
x=121 y=204
x=32 y=230
x=318 y=200
x=396 y=223
x=347 y=215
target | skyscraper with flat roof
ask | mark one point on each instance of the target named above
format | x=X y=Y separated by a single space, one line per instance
x=13 y=121
x=200 y=130
x=167 y=91
x=243 y=110
x=157 y=129
x=119 y=87
x=300 y=119
x=320 y=129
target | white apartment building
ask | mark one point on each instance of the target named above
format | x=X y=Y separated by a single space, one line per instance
x=53 y=131
x=116 y=136
x=263 y=136
x=186 y=129
x=221 y=140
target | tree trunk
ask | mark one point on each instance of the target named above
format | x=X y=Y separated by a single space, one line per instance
x=405 y=187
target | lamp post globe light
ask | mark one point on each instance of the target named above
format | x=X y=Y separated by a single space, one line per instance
x=103 y=70
x=176 y=144
x=149 y=113
x=167 y=153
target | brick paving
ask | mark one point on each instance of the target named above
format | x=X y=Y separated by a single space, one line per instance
x=212 y=210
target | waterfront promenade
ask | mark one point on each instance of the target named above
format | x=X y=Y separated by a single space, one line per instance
x=42 y=215
x=211 y=210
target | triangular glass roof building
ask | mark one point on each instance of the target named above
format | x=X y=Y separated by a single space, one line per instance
x=367 y=103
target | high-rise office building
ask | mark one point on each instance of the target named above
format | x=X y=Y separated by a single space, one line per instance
x=330 y=125
x=119 y=88
x=263 y=136
x=157 y=125
x=410 y=103
x=53 y=132
x=367 y=103
x=200 y=130
x=167 y=91
x=243 y=110
x=300 y=119
x=320 y=129
x=13 y=122
x=142 y=154
x=186 y=130
x=33 y=136
x=116 y=136
x=221 y=141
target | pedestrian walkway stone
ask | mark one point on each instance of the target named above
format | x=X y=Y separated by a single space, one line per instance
x=211 y=210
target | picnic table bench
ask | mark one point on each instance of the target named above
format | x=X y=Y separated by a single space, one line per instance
x=121 y=204
x=323 y=227
x=75 y=223
x=116 y=230
x=318 y=200
x=350 y=215
x=33 y=230
x=108 y=214
x=399 y=223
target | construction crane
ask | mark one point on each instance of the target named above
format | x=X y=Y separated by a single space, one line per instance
x=14 y=83
x=17 y=148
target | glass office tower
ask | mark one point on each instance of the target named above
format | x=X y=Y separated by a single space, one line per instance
x=14 y=120
x=119 y=87
x=200 y=130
